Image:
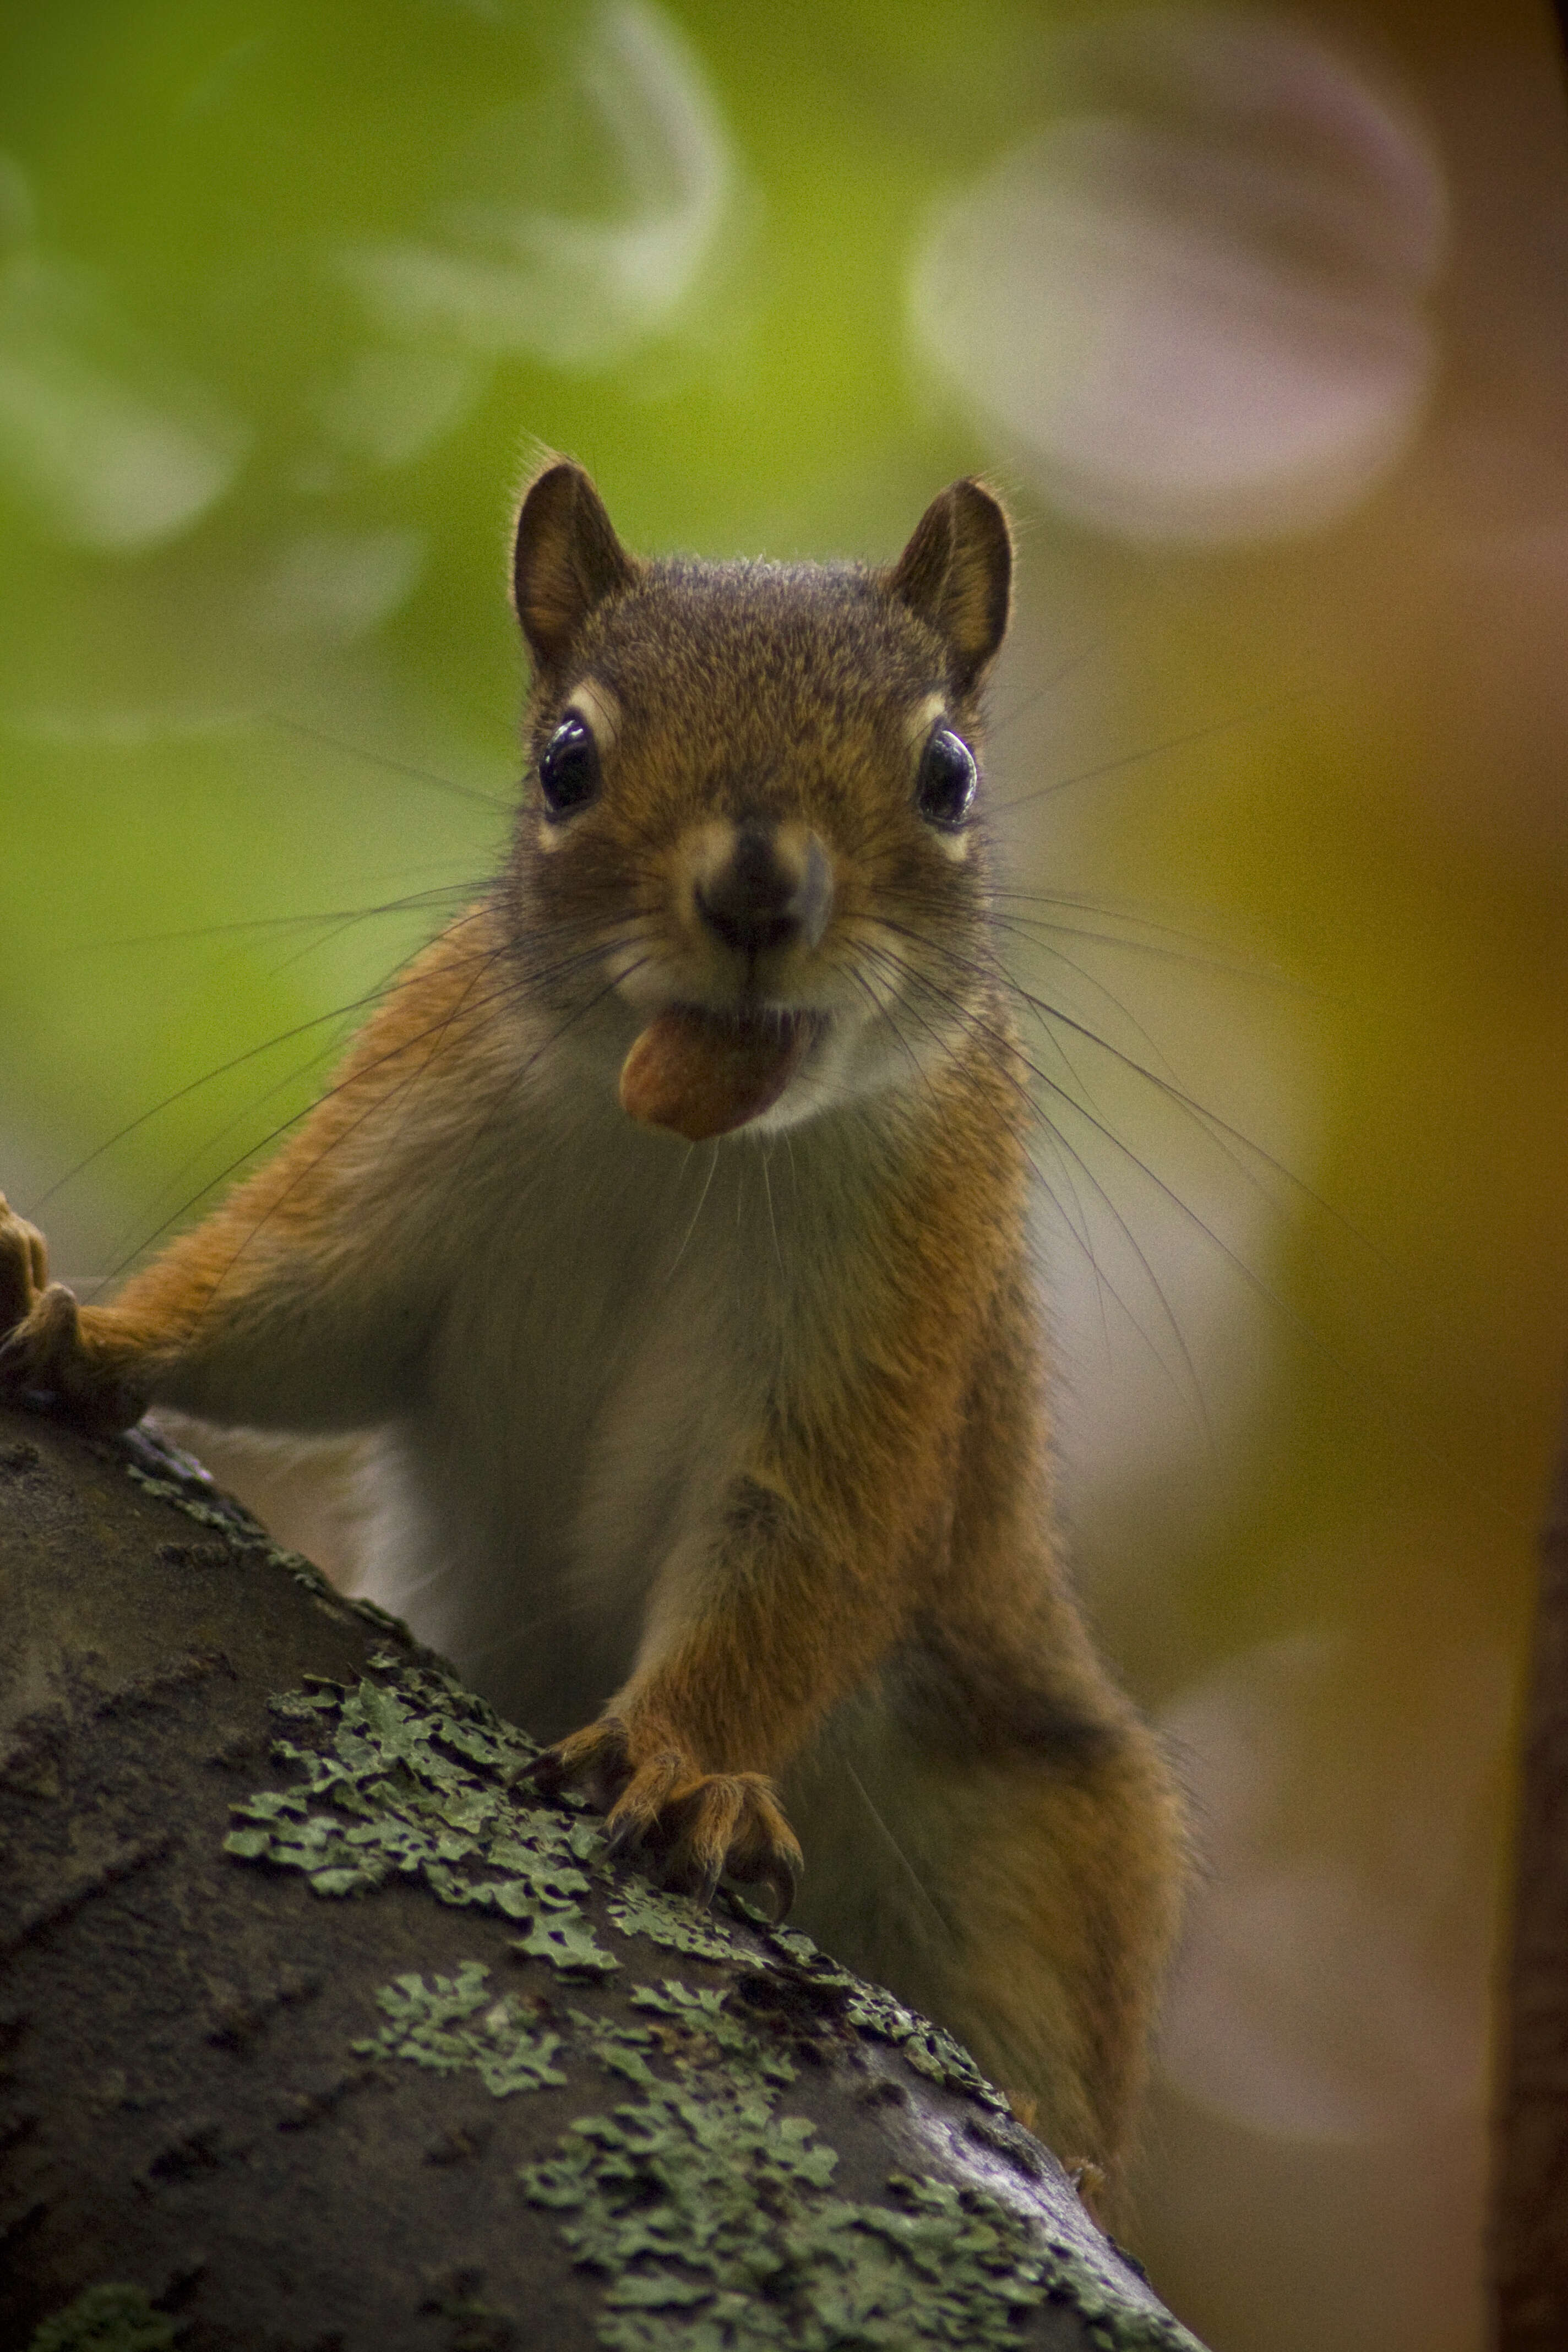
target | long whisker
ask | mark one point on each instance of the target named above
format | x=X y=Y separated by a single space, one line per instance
x=512 y=985
x=1006 y=1047
x=224 y=1069
x=426 y=776
x=1025 y=928
x=514 y=1077
x=272 y=1137
x=691 y=1228
x=123 y=1244
x=536 y=975
x=1268 y=709
x=1219 y=1131
x=926 y=1078
x=772 y=1222
x=999 y=725
x=434 y=895
x=910 y=1873
x=311 y=1062
x=1059 y=956
x=333 y=929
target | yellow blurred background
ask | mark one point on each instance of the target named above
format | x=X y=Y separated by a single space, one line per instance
x=1260 y=318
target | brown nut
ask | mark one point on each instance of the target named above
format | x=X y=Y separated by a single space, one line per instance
x=702 y=1073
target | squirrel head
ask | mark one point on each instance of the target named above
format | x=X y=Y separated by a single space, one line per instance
x=752 y=827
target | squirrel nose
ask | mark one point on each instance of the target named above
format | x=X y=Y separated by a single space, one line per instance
x=766 y=896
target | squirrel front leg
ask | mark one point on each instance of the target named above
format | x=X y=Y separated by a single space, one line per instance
x=803 y=1581
x=303 y=1302
x=229 y=1324
x=818 y=1552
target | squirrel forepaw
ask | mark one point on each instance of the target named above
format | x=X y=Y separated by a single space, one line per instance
x=696 y=1832
x=688 y=1827
x=23 y=1267
x=43 y=1351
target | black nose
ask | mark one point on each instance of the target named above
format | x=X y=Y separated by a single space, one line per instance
x=765 y=900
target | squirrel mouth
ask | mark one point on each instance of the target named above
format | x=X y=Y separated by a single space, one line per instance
x=700 y=1074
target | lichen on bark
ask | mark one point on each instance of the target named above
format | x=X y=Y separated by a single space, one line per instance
x=321 y=2025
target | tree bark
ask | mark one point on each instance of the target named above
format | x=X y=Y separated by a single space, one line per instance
x=319 y=2030
x=1529 y=2231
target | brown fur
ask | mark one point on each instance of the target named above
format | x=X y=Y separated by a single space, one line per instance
x=873 y=1611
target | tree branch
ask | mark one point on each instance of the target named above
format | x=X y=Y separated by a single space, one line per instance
x=1529 y=2231
x=321 y=2029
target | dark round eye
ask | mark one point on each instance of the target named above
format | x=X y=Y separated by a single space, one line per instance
x=944 y=788
x=569 y=767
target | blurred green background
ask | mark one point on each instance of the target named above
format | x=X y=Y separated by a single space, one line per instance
x=1260 y=324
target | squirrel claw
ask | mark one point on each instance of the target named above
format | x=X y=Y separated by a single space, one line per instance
x=700 y=1830
x=783 y=1877
x=542 y=1773
x=689 y=1829
x=597 y=1760
x=623 y=1840
x=779 y=1872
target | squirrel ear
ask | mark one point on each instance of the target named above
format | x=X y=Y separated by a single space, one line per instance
x=565 y=560
x=956 y=572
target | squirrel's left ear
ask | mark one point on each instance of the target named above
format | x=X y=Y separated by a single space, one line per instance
x=956 y=572
x=566 y=560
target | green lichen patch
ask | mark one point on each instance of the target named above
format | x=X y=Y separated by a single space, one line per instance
x=674 y=2199
x=709 y=2214
x=929 y=2049
x=621 y=2049
x=703 y=2018
x=673 y=1921
x=106 y=2319
x=407 y=1776
x=710 y=2220
x=455 y=2024
x=568 y=1944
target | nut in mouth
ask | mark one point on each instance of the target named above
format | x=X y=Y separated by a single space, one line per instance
x=700 y=1073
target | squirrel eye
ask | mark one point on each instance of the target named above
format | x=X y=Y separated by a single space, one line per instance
x=944 y=788
x=569 y=767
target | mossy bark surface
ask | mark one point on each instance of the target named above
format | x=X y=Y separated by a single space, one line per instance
x=319 y=2029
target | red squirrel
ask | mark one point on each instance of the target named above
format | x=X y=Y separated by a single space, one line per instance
x=667 y=1226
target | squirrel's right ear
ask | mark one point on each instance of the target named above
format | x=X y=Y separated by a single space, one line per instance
x=565 y=560
x=957 y=573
